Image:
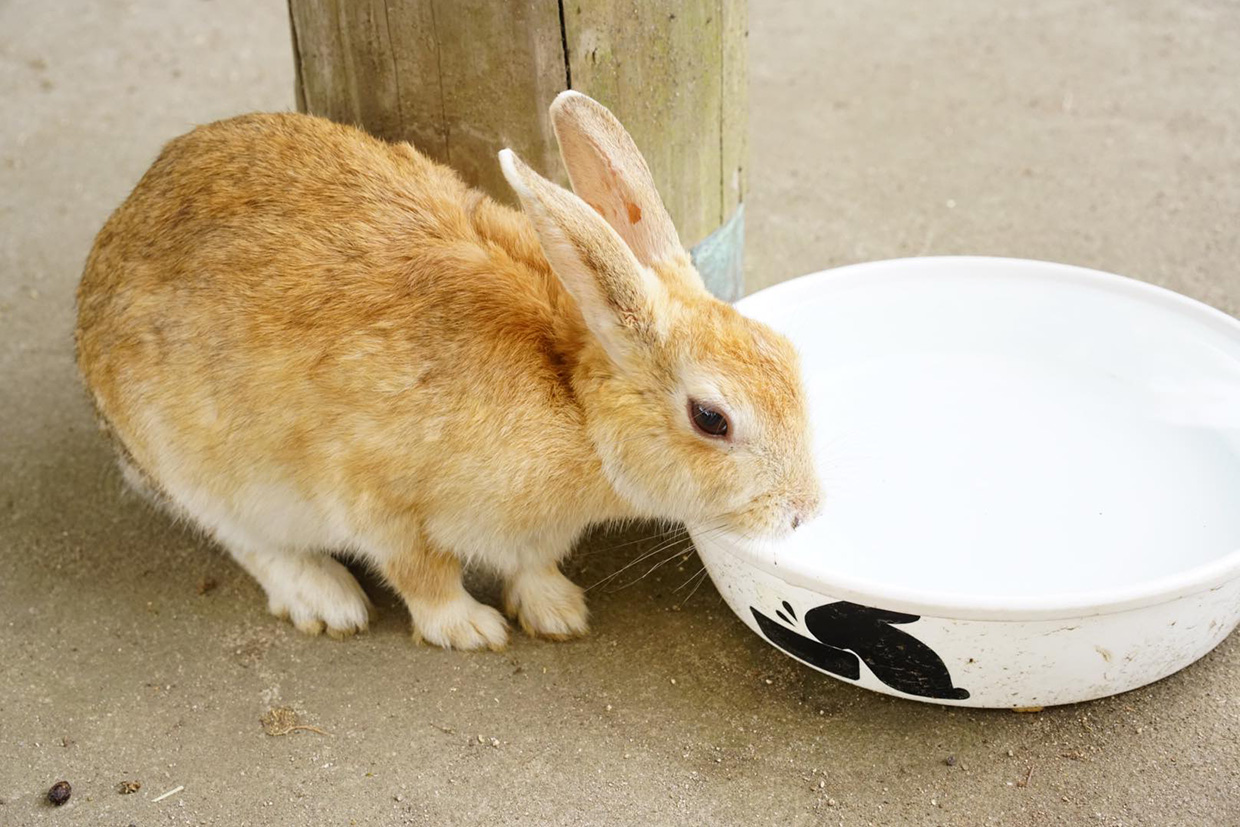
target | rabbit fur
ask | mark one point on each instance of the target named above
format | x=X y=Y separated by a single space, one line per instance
x=306 y=340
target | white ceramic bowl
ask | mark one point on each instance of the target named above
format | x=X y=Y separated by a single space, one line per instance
x=1031 y=476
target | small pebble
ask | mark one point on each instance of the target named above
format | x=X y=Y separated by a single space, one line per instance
x=673 y=681
x=59 y=793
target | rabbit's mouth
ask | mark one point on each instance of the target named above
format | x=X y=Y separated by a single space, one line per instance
x=746 y=530
x=767 y=520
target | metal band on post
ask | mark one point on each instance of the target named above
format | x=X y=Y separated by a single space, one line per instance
x=720 y=258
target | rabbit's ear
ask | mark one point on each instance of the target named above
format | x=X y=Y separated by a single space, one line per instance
x=620 y=300
x=610 y=175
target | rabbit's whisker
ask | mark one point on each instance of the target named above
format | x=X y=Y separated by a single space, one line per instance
x=657 y=550
x=683 y=553
x=645 y=538
x=700 y=577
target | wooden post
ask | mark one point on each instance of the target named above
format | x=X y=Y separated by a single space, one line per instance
x=462 y=79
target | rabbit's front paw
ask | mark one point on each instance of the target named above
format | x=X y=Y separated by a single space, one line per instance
x=547 y=604
x=461 y=623
x=317 y=593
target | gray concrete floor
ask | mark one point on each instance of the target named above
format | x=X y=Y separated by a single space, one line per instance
x=1104 y=134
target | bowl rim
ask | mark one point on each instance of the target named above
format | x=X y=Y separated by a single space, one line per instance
x=1200 y=578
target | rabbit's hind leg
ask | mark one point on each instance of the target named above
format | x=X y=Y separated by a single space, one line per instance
x=311 y=588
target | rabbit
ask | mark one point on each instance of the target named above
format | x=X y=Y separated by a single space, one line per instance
x=304 y=340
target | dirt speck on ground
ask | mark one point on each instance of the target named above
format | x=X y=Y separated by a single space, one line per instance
x=282 y=720
x=59 y=793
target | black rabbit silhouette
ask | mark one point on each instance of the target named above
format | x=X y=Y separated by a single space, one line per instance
x=894 y=656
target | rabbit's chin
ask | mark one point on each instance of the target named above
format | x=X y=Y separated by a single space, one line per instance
x=759 y=542
x=712 y=538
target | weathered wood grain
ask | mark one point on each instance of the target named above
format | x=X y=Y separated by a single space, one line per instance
x=346 y=71
x=501 y=65
x=735 y=108
x=659 y=67
x=461 y=79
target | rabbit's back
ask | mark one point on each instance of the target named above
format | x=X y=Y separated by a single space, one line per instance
x=287 y=302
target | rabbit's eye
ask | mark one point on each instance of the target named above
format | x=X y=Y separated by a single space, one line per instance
x=707 y=420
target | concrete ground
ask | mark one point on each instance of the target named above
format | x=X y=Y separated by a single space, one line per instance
x=1104 y=134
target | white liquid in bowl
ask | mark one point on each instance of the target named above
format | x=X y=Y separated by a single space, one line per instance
x=986 y=429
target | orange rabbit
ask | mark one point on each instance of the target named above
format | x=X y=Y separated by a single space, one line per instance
x=305 y=340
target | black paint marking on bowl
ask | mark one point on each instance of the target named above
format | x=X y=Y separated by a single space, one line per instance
x=848 y=633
